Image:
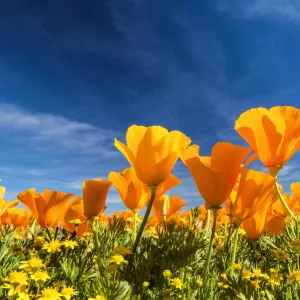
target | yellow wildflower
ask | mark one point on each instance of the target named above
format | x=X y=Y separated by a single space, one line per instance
x=294 y=276
x=257 y=273
x=14 y=289
x=117 y=259
x=70 y=244
x=31 y=264
x=281 y=255
x=295 y=245
x=16 y=236
x=199 y=282
x=242 y=231
x=167 y=273
x=236 y=266
x=177 y=283
x=97 y=298
x=17 y=277
x=23 y=296
x=246 y=274
x=50 y=294
x=40 y=275
x=275 y=279
x=53 y=246
x=255 y=283
x=68 y=292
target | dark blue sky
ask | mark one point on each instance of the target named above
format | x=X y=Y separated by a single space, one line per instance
x=76 y=74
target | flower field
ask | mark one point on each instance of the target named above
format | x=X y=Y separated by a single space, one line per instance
x=242 y=243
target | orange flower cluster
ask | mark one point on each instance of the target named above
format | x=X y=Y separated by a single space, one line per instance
x=243 y=195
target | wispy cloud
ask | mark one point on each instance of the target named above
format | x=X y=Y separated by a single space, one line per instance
x=290 y=173
x=54 y=131
x=283 y=10
x=22 y=171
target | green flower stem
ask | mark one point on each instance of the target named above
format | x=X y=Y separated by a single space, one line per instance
x=93 y=223
x=226 y=224
x=145 y=219
x=206 y=224
x=230 y=232
x=233 y=253
x=284 y=203
x=135 y=213
x=210 y=247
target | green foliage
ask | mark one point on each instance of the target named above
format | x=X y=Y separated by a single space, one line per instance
x=179 y=248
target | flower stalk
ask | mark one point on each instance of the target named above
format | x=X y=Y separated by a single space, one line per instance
x=135 y=213
x=233 y=253
x=145 y=219
x=284 y=204
x=215 y=213
x=94 y=228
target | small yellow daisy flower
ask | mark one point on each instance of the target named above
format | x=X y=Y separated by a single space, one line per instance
x=31 y=264
x=53 y=246
x=17 y=277
x=68 y=292
x=40 y=276
x=246 y=274
x=281 y=255
x=199 y=282
x=70 y=244
x=167 y=273
x=294 y=276
x=117 y=259
x=97 y=298
x=50 y=294
x=177 y=283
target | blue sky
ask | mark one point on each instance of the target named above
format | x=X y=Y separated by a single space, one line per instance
x=75 y=74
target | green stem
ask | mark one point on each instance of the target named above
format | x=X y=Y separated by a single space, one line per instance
x=283 y=202
x=210 y=247
x=134 y=225
x=164 y=210
x=207 y=221
x=226 y=224
x=145 y=219
x=233 y=254
x=230 y=232
x=96 y=240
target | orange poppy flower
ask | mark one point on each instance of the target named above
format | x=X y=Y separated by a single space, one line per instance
x=74 y=211
x=215 y=176
x=163 y=187
x=94 y=196
x=167 y=206
x=17 y=217
x=274 y=224
x=255 y=225
x=253 y=192
x=132 y=191
x=273 y=134
x=47 y=208
x=152 y=151
x=295 y=187
x=4 y=205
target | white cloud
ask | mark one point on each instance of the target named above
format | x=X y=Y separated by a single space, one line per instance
x=48 y=130
x=285 y=10
x=290 y=173
x=34 y=172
